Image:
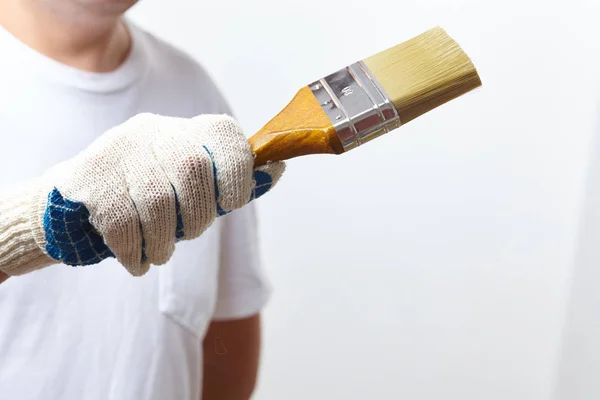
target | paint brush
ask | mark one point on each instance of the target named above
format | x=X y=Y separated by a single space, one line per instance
x=368 y=99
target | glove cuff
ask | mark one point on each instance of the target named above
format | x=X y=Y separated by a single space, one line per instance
x=22 y=233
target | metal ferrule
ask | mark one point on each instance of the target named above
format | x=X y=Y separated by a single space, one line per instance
x=356 y=105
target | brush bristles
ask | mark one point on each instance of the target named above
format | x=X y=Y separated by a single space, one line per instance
x=423 y=73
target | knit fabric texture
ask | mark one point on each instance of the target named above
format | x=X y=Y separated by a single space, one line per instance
x=19 y=251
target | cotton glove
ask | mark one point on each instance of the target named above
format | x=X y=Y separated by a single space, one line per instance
x=132 y=194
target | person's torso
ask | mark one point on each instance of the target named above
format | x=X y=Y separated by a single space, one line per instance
x=96 y=332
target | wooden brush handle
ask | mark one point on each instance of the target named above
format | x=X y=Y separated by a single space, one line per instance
x=301 y=128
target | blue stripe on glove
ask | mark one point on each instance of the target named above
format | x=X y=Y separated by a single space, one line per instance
x=263 y=180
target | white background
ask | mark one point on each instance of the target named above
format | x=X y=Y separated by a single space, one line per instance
x=453 y=258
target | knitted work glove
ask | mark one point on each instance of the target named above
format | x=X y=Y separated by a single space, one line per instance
x=132 y=194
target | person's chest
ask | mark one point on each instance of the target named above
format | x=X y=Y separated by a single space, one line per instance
x=42 y=124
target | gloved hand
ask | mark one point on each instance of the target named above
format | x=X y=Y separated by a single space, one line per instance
x=139 y=188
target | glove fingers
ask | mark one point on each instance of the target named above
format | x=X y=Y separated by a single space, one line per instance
x=191 y=174
x=117 y=220
x=231 y=157
x=154 y=199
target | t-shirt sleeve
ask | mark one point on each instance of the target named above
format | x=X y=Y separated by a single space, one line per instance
x=243 y=289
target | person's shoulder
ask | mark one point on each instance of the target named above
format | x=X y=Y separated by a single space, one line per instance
x=181 y=70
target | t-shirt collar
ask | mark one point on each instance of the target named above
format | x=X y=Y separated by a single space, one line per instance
x=22 y=56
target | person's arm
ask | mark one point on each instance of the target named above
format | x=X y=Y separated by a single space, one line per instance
x=231 y=358
x=19 y=248
x=131 y=194
x=232 y=344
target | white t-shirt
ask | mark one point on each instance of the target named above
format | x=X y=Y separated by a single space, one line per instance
x=96 y=332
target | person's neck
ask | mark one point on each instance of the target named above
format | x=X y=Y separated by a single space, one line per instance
x=90 y=44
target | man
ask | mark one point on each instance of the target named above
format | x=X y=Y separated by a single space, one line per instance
x=72 y=70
